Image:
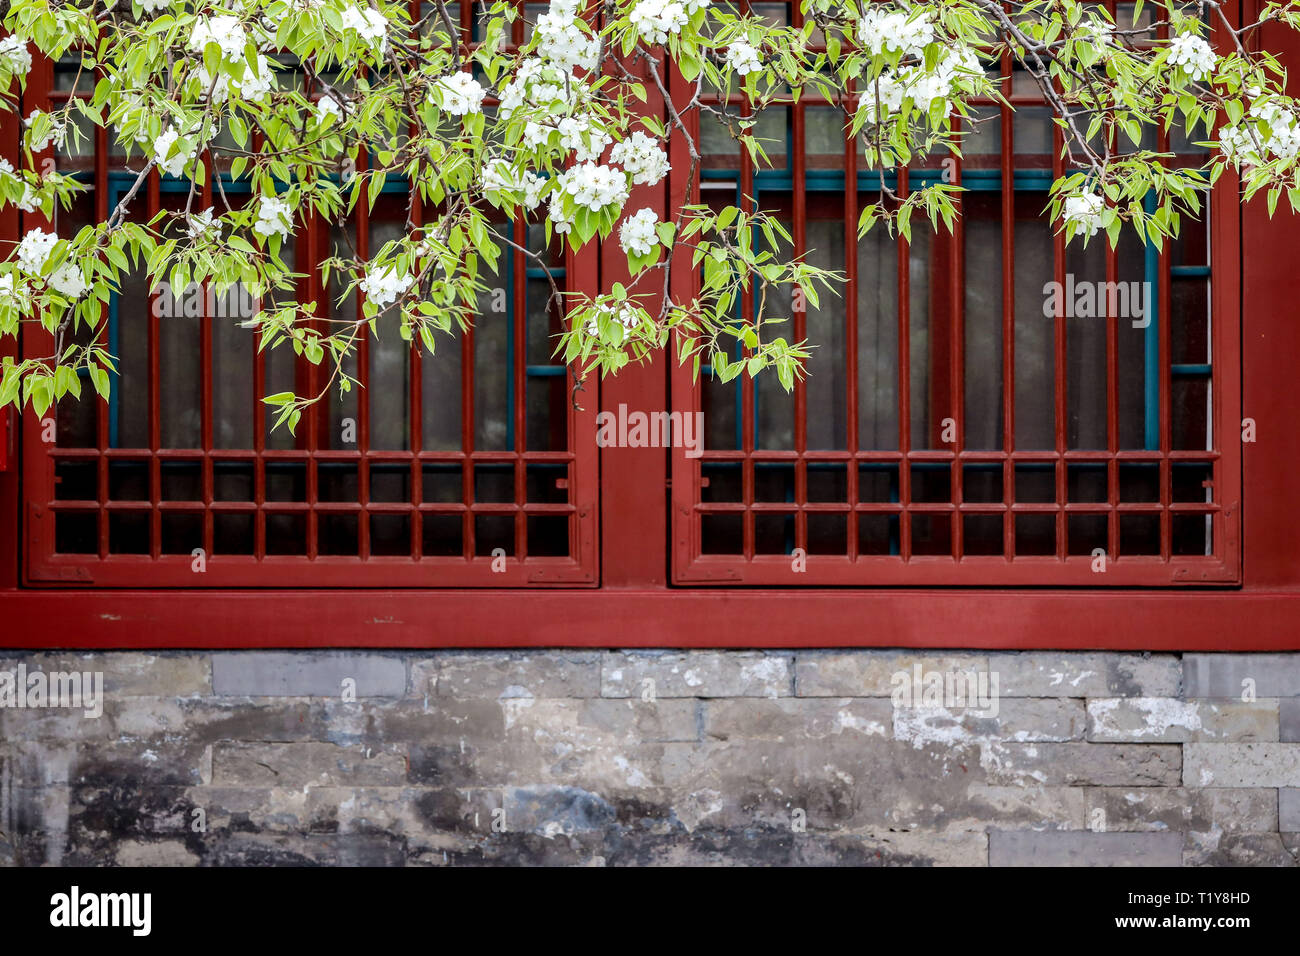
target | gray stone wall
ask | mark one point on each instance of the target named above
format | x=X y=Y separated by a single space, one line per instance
x=608 y=758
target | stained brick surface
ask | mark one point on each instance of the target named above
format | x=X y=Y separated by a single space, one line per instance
x=879 y=757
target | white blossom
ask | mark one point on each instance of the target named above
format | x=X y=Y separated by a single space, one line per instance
x=1084 y=210
x=625 y=315
x=153 y=6
x=882 y=97
x=654 y=20
x=367 y=23
x=595 y=187
x=555 y=213
x=1193 y=54
x=67 y=281
x=30 y=199
x=743 y=58
x=202 y=224
x=169 y=162
x=328 y=109
x=1094 y=30
x=56 y=135
x=383 y=286
x=587 y=139
x=12 y=295
x=274 y=217
x=256 y=84
x=459 y=93
x=545 y=87
x=498 y=176
x=1270 y=130
x=561 y=42
x=533 y=186
x=14 y=57
x=34 y=250
x=641 y=156
x=225 y=31
x=637 y=235
x=885 y=30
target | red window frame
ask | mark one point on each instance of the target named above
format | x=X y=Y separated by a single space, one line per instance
x=636 y=606
x=692 y=566
x=44 y=565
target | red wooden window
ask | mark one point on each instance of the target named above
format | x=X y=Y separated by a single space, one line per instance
x=425 y=476
x=949 y=432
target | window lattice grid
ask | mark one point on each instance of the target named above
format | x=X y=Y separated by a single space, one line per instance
x=435 y=466
x=950 y=431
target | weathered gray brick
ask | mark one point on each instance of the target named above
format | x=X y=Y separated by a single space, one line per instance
x=1216 y=848
x=1022 y=720
x=1229 y=675
x=1181 y=808
x=1241 y=765
x=1289 y=719
x=1169 y=720
x=1086 y=674
x=1084 y=764
x=1288 y=809
x=873 y=673
x=497 y=674
x=922 y=848
x=697 y=674
x=792 y=718
x=670 y=719
x=128 y=673
x=155 y=853
x=1084 y=848
x=306 y=674
x=306 y=764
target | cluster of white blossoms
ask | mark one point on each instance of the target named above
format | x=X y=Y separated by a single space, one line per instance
x=153 y=6
x=32 y=255
x=172 y=163
x=594 y=187
x=12 y=295
x=743 y=58
x=29 y=200
x=274 y=217
x=654 y=20
x=884 y=30
x=539 y=85
x=256 y=84
x=625 y=315
x=1271 y=125
x=588 y=185
x=68 y=281
x=57 y=133
x=14 y=57
x=561 y=41
x=1094 y=30
x=328 y=109
x=202 y=224
x=368 y=23
x=498 y=176
x=884 y=97
x=225 y=31
x=580 y=134
x=1084 y=210
x=637 y=235
x=383 y=286
x=642 y=157
x=459 y=93
x=34 y=250
x=1193 y=54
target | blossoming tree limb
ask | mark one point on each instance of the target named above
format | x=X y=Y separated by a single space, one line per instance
x=556 y=131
